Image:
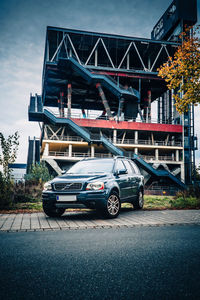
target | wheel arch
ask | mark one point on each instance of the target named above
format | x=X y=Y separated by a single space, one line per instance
x=115 y=189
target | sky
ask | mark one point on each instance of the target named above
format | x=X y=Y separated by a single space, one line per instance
x=22 y=33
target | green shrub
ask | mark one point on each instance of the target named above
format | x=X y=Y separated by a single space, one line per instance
x=8 y=155
x=185 y=202
x=6 y=192
x=39 y=173
x=192 y=191
x=28 y=191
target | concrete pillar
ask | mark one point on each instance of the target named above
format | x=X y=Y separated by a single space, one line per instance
x=46 y=150
x=177 y=155
x=136 y=137
x=92 y=151
x=70 y=150
x=96 y=58
x=114 y=136
x=173 y=140
x=182 y=172
x=152 y=139
x=104 y=101
x=149 y=105
x=136 y=150
x=156 y=154
x=128 y=61
x=69 y=100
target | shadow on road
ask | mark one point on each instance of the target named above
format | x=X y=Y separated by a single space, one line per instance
x=89 y=215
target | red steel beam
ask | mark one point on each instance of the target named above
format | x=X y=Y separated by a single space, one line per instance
x=129 y=125
x=127 y=75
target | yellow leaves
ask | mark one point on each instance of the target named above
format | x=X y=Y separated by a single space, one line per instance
x=182 y=72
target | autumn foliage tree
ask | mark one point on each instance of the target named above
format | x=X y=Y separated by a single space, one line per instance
x=182 y=72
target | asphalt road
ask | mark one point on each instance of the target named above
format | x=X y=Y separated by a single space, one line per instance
x=106 y=264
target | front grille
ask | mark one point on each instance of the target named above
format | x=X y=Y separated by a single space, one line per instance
x=68 y=186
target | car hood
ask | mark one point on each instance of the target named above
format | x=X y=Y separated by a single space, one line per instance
x=80 y=178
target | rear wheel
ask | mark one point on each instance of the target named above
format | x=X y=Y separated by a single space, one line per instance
x=53 y=211
x=139 y=203
x=113 y=206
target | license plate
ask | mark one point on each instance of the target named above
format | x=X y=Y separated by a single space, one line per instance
x=67 y=198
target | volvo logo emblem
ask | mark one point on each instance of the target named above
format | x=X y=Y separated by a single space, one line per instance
x=67 y=186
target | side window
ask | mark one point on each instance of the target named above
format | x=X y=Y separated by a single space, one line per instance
x=128 y=167
x=135 y=168
x=119 y=165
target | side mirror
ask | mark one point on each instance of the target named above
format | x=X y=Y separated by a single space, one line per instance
x=121 y=172
x=63 y=172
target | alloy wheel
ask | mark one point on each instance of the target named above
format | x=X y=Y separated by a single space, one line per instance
x=113 y=205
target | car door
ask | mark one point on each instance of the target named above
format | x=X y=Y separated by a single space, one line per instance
x=122 y=179
x=132 y=185
x=137 y=174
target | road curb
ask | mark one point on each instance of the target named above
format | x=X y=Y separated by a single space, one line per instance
x=99 y=227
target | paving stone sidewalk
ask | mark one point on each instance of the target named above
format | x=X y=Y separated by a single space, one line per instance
x=82 y=220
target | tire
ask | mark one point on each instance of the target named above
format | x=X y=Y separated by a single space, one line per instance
x=139 y=203
x=53 y=212
x=113 y=206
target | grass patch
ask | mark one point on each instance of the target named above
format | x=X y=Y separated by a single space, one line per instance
x=185 y=202
x=157 y=202
x=150 y=203
x=153 y=202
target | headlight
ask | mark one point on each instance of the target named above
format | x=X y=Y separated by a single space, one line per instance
x=47 y=186
x=98 y=185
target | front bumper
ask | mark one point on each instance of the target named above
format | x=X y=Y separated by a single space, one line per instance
x=85 y=199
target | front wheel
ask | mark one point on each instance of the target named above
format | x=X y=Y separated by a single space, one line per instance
x=53 y=212
x=113 y=206
x=139 y=203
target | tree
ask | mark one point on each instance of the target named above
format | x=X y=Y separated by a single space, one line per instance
x=8 y=153
x=39 y=173
x=197 y=172
x=182 y=72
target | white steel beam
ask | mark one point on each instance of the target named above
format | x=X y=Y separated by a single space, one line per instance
x=94 y=48
x=72 y=45
x=59 y=46
x=107 y=53
x=139 y=56
x=156 y=58
x=125 y=54
x=165 y=47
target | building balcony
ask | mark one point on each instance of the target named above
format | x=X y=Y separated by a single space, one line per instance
x=64 y=138
x=161 y=158
x=80 y=155
x=148 y=143
x=132 y=142
x=77 y=155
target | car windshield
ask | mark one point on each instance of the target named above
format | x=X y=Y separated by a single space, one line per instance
x=92 y=166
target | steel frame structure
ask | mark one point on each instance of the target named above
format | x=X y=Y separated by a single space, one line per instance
x=69 y=47
x=65 y=37
x=125 y=60
x=118 y=76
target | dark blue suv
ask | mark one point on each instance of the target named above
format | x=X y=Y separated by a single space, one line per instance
x=102 y=184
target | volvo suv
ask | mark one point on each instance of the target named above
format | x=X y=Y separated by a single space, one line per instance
x=102 y=184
